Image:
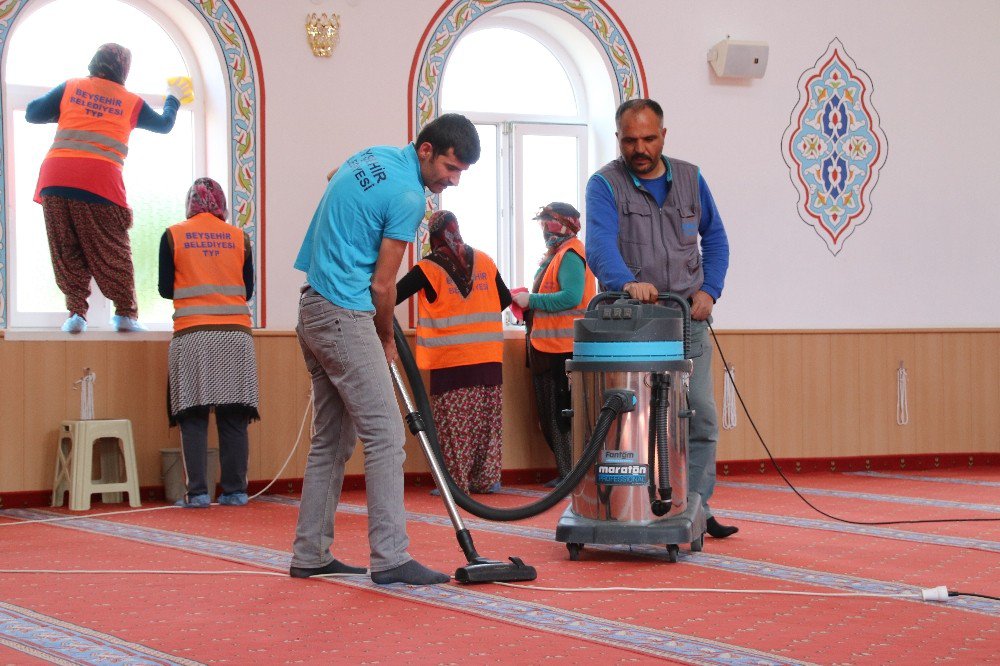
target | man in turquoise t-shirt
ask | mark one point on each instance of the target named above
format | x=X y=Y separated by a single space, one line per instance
x=351 y=254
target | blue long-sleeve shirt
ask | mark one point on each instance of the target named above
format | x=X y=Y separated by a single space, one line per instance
x=45 y=109
x=603 y=255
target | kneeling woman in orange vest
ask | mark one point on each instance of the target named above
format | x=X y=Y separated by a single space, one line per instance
x=206 y=267
x=563 y=287
x=460 y=340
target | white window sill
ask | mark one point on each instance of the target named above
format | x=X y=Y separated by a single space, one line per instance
x=90 y=335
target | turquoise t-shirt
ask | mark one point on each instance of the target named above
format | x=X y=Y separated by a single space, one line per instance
x=377 y=193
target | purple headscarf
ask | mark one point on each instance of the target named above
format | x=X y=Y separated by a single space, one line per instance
x=206 y=196
x=111 y=62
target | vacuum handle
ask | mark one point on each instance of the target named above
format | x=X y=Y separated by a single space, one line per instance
x=682 y=303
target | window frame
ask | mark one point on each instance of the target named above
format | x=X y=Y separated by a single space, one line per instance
x=17 y=96
x=511 y=130
x=217 y=38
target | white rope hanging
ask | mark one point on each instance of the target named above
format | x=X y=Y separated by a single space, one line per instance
x=86 y=384
x=902 y=407
x=728 y=399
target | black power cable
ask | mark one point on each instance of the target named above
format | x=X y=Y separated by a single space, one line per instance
x=812 y=506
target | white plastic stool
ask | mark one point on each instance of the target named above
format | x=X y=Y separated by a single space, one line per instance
x=75 y=463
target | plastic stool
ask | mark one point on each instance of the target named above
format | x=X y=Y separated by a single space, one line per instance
x=75 y=463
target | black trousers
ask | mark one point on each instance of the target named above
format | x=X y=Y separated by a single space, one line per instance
x=234 y=447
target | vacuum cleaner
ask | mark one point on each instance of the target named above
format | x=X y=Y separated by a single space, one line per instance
x=637 y=492
x=618 y=365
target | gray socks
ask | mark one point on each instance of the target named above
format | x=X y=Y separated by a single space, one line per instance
x=411 y=573
x=334 y=567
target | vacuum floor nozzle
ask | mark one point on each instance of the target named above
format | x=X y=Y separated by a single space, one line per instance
x=482 y=570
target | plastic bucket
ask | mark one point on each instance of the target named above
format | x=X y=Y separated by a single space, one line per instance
x=172 y=473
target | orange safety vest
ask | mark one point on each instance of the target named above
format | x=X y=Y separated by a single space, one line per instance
x=208 y=273
x=455 y=330
x=552 y=332
x=95 y=120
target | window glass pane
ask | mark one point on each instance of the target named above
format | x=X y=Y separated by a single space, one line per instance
x=526 y=79
x=35 y=282
x=548 y=173
x=57 y=41
x=474 y=201
x=158 y=173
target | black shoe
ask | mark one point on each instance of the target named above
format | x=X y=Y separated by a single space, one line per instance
x=335 y=567
x=718 y=530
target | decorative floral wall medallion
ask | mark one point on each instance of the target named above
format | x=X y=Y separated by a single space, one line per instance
x=834 y=146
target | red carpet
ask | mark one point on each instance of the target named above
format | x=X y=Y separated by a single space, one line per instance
x=179 y=618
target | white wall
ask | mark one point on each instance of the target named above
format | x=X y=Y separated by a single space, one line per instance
x=925 y=256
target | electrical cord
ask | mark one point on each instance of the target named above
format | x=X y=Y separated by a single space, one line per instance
x=939 y=593
x=812 y=506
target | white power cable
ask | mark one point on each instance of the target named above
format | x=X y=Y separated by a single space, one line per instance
x=86 y=386
x=902 y=406
x=939 y=593
x=728 y=398
x=295 y=445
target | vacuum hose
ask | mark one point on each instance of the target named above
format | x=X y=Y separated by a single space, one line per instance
x=616 y=402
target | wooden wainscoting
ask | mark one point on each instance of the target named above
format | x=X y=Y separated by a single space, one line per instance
x=811 y=393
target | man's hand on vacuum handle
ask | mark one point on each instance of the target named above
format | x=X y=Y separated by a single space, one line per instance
x=642 y=291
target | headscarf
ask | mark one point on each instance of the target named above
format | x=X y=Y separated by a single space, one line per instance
x=111 y=62
x=449 y=250
x=206 y=196
x=560 y=222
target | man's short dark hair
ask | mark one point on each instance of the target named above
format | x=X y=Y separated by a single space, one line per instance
x=451 y=130
x=638 y=105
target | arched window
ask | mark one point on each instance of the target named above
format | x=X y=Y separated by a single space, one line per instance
x=533 y=129
x=541 y=80
x=159 y=168
x=218 y=135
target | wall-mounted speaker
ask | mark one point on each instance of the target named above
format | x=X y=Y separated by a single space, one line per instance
x=739 y=59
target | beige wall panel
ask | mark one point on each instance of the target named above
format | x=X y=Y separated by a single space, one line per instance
x=845 y=391
x=284 y=399
x=811 y=394
x=876 y=409
x=12 y=408
x=955 y=398
x=524 y=446
x=756 y=380
x=926 y=383
x=787 y=424
x=46 y=397
x=739 y=443
x=983 y=390
x=143 y=402
x=818 y=403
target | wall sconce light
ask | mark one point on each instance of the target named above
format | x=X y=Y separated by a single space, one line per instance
x=323 y=33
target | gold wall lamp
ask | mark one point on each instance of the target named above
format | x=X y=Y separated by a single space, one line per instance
x=323 y=33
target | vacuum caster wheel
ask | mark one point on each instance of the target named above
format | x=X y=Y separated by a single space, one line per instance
x=574 y=550
x=698 y=544
x=672 y=551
